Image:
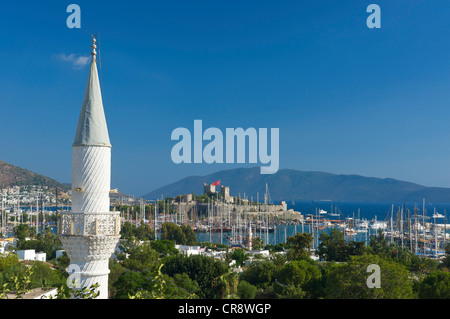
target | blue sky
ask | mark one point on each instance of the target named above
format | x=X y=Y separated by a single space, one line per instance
x=347 y=99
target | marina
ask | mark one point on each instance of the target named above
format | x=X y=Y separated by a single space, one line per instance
x=238 y=224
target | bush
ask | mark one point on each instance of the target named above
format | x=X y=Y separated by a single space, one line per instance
x=246 y=290
x=435 y=286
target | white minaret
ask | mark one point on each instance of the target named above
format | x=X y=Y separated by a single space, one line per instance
x=90 y=232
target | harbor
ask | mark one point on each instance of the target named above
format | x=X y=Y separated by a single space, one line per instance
x=238 y=224
x=219 y=218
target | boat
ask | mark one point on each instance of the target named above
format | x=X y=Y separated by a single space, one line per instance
x=334 y=214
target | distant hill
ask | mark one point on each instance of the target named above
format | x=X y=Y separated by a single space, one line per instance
x=11 y=175
x=289 y=184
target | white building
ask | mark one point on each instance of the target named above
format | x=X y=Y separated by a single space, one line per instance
x=30 y=254
x=190 y=250
x=40 y=256
x=90 y=232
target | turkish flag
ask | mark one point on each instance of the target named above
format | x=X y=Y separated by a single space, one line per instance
x=216 y=183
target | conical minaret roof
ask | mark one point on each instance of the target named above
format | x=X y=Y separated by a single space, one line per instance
x=92 y=129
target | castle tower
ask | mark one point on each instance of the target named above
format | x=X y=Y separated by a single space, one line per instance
x=90 y=232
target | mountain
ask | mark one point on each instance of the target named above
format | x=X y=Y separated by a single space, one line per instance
x=289 y=184
x=11 y=175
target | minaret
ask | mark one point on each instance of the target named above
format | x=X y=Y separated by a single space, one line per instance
x=250 y=236
x=90 y=232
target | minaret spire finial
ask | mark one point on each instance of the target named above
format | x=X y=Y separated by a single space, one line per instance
x=93 y=46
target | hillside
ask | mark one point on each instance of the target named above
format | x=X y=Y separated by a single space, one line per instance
x=289 y=184
x=11 y=175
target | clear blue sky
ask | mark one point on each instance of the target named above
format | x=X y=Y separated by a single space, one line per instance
x=347 y=99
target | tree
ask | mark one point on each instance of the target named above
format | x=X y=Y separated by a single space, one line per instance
x=144 y=232
x=22 y=231
x=260 y=274
x=446 y=261
x=246 y=290
x=165 y=247
x=65 y=292
x=379 y=245
x=44 y=276
x=191 y=237
x=173 y=232
x=349 y=280
x=20 y=284
x=115 y=271
x=239 y=255
x=141 y=232
x=226 y=284
x=436 y=285
x=202 y=269
x=334 y=247
x=141 y=257
x=299 y=245
x=257 y=243
x=126 y=230
x=302 y=274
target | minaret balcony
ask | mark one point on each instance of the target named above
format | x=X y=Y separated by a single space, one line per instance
x=89 y=224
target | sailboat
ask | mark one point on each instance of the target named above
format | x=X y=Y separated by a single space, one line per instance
x=335 y=214
x=437 y=215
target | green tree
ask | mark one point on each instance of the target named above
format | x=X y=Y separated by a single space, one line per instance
x=379 y=245
x=141 y=257
x=246 y=290
x=144 y=232
x=127 y=231
x=44 y=276
x=22 y=231
x=65 y=292
x=173 y=232
x=191 y=237
x=115 y=271
x=141 y=232
x=239 y=255
x=299 y=245
x=334 y=247
x=202 y=269
x=260 y=274
x=226 y=284
x=165 y=247
x=302 y=274
x=446 y=261
x=436 y=285
x=257 y=243
x=349 y=280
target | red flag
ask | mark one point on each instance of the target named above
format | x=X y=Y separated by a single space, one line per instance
x=216 y=183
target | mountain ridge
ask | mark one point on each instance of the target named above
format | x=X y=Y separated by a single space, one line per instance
x=291 y=184
x=11 y=175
